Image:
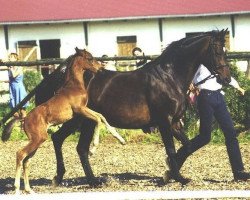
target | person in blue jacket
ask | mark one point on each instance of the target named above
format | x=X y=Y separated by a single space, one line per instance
x=16 y=86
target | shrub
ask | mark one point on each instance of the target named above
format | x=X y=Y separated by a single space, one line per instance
x=31 y=79
x=238 y=105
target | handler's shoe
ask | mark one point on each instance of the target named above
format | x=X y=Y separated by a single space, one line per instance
x=241 y=176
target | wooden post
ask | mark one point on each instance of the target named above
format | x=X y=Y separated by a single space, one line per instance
x=248 y=69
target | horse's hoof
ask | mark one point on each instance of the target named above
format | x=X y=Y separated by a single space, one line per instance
x=30 y=191
x=17 y=192
x=123 y=142
x=56 y=181
x=185 y=181
x=97 y=182
x=167 y=177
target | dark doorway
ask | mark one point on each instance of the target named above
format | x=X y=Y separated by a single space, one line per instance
x=49 y=49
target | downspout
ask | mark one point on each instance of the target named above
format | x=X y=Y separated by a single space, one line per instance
x=232 y=25
x=6 y=36
x=160 y=32
x=85 y=27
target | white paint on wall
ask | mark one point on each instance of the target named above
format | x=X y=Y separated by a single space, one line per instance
x=102 y=36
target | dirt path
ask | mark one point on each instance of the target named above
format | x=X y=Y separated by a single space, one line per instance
x=133 y=167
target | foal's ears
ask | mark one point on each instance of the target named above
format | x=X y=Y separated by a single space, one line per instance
x=77 y=50
x=81 y=52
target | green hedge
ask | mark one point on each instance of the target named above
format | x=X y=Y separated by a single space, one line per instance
x=238 y=105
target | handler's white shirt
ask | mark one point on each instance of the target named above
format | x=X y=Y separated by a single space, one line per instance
x=210 y=84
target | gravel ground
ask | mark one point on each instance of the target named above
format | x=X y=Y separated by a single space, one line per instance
x=132 y=167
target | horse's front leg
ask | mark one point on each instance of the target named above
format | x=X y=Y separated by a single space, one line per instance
x=167 y=137
x=179 y=133
x=58 y=138
x=86 y=136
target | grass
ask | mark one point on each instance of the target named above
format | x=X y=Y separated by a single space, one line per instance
x=129 y=135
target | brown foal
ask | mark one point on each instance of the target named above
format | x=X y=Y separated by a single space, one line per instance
x=70 y=99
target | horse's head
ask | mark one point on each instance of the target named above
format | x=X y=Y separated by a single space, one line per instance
x=216 y=57
x=87 y=61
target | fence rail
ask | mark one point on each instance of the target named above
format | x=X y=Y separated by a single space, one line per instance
x=230 y=56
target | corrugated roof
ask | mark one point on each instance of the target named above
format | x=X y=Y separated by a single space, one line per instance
x=40 y=11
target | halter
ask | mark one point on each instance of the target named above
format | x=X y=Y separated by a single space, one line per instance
x=214 y=66
x=212 y=52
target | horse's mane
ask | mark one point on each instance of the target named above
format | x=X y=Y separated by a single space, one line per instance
x=177 y=48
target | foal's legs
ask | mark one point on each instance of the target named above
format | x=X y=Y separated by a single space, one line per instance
x=23 y=156
x=98 y=118
x=58 y=138
x=110 y=128
x=26 y=168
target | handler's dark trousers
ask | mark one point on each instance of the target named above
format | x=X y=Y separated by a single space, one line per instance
x=212 y=104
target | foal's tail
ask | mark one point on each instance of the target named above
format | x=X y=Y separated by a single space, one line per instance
x=8 y=129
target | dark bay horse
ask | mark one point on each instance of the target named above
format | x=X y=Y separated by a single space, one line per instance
x=154 y=95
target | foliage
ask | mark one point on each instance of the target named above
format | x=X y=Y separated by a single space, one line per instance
x=239 y=105
x=31 y=79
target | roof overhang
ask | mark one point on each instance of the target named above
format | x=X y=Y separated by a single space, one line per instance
x=125 y=18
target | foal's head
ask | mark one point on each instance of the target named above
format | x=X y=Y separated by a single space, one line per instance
x=86 y=61
x=216 y=57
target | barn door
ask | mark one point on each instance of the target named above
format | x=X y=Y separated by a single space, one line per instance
x=27 y=50
x=49 y=49
x=125 y=45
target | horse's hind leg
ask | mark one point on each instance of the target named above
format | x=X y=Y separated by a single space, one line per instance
x=22 y=158
x=26 y=171
x=58 y=138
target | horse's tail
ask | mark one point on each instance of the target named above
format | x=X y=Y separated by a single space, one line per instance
x=8 y=129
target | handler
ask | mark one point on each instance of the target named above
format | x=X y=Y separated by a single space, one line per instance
x=211 y=103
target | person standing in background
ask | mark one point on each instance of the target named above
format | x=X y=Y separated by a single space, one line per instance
x=108 y=65
x=16 y=86
x=138 y=52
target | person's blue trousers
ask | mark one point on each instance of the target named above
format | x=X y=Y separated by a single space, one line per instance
x=211 y=104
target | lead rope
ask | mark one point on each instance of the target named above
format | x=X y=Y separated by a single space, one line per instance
x=205 y=79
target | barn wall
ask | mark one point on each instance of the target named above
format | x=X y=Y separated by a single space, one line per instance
x=102 y=36
x=242 y=30
x=175 y=29
x=2 y=44
x=71 y=35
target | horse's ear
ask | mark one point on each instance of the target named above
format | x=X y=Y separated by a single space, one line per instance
x=223 y=32
x=77 y=50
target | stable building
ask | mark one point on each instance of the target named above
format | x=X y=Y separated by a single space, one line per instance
x=52 y=29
